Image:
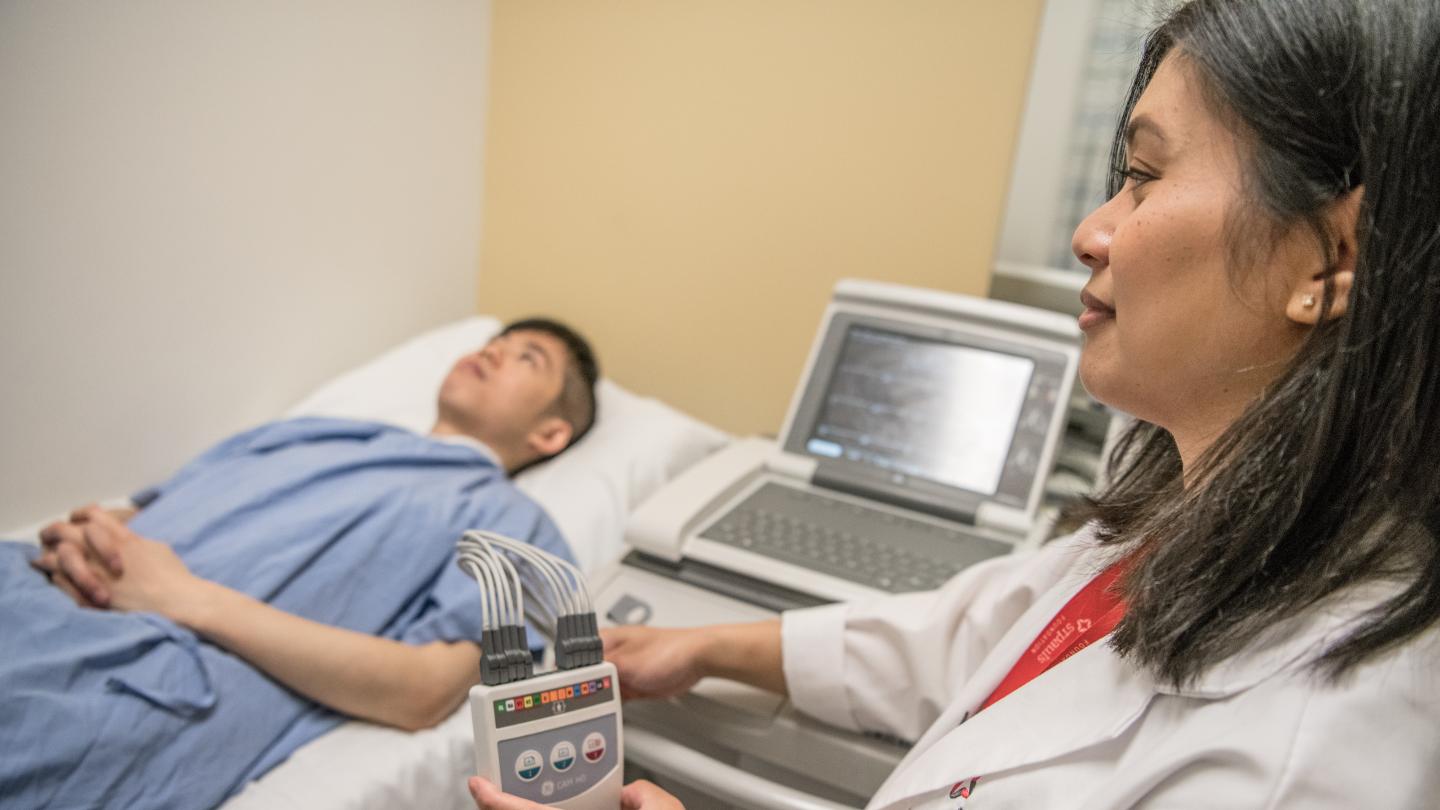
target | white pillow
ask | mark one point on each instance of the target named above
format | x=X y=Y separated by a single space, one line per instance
x=636 y=445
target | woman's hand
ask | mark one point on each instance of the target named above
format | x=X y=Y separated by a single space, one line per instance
x=643 y=795
x=659 y=663
x=656 y=663
x=638 y=795
x=489 y=797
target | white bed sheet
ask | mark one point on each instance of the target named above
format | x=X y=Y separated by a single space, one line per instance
x=637 y=444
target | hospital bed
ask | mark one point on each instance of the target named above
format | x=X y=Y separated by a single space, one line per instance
x=636 y=445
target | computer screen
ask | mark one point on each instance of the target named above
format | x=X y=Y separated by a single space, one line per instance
x=923 y=408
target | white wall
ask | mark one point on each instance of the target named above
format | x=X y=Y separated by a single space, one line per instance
x=206 y=208
x=1037 y=179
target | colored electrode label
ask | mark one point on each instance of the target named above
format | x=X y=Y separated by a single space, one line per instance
x=552 y=702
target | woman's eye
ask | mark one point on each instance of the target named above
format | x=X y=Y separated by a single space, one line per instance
x=1138 y=177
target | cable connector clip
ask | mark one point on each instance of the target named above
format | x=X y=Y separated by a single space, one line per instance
x=505 y=650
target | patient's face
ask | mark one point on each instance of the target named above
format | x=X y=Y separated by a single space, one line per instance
x=501 y=392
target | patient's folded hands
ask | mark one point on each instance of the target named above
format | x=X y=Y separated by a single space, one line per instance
x=70 y=560
x=100 y=562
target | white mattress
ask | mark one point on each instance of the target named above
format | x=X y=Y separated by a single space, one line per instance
x=636 y=445
x=362 y=765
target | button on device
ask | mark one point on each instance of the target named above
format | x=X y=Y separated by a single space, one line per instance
x=594 y=746
x=528 y=765
x=562 y=756
x=547 y=788
x=629 y=610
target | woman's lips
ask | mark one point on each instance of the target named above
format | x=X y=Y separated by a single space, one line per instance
x=1096 y=311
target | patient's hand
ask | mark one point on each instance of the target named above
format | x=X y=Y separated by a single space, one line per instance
x=76 y=550
x=108 y=565
x=47 y=565
x=80 y=539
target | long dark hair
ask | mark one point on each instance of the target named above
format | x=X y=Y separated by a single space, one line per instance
x=1331 y=478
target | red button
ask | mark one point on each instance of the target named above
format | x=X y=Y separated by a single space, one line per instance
x=593 y=747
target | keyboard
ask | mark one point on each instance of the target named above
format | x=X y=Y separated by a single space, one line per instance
x=873 y=547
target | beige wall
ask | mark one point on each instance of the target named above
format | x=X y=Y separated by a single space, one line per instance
x=686 y=180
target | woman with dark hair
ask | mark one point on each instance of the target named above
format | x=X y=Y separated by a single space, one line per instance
x=1262 y=573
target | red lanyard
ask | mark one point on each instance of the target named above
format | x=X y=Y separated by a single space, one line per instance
x=1090 y=615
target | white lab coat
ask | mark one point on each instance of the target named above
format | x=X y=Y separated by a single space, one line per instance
x=1095 y=732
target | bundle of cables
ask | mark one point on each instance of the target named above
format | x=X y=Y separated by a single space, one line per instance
x=496 y=562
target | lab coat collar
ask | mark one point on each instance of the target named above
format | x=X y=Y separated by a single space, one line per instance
x=1093 y=697
x=1288 y=646
x=956 y=748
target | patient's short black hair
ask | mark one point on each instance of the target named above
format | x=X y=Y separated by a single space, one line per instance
x=576 y=403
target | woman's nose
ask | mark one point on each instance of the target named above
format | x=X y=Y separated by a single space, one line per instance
x=1091 y=242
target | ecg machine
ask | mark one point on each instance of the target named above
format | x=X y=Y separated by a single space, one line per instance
x=917 y=443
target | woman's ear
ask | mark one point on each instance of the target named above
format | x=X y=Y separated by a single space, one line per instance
x=1307 y=294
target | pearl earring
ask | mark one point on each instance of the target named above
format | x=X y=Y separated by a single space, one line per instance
x=1308 y=301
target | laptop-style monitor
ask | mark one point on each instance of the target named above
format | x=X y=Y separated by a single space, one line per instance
x=942 y=408
x=917 y=443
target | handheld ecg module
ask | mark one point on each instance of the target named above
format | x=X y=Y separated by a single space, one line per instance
x=553 y=738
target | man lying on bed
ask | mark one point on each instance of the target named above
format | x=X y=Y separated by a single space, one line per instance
x=295 y=573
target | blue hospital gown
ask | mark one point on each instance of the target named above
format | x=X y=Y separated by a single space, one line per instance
x=348 y=523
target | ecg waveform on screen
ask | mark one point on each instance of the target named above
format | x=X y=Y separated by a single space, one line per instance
x=922 y=407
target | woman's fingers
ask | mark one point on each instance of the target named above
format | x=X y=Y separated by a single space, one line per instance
x=638 y=795
x=643 y=795
x=489 y=797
